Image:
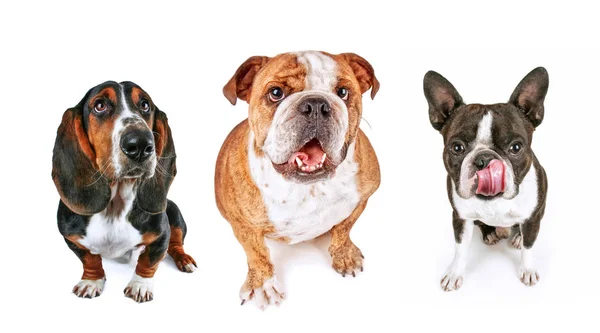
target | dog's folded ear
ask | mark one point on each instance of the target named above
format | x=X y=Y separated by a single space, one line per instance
x=530 y=93
x=240 y=85
x=442 y=98
x=76 y=175
x=152 y=192
x=364 y=72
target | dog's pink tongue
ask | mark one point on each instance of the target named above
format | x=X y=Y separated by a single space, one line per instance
x=311 y=154
x=490 y=181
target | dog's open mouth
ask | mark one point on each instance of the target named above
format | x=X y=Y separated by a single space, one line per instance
x=310 y=163
x=309 y=158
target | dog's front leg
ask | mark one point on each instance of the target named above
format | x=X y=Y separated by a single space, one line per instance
x=261 y=283
x=529 y=231
x=463 y=230
x=140 y=287
x=347 y=258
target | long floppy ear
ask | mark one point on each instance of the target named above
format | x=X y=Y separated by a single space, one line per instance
x=78 y=179
x=529 y=95
x=152 y=192
x=240 y=85
x=442 y=98
x=364 y=72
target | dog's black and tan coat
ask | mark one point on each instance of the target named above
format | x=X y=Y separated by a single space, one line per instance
x=113 y=164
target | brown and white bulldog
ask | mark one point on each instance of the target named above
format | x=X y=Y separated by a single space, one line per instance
x=299 y=166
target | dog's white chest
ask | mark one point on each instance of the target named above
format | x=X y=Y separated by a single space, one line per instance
x=303 y=212
x=111 y=235
x=501 y=212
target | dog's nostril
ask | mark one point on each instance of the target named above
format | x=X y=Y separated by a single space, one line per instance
x=325 y=108
x=149 y=150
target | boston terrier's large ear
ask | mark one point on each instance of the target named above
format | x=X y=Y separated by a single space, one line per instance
x=442 y=98
x=364 y=72
x=530 y=93
x=76 y=175
x=240 y=85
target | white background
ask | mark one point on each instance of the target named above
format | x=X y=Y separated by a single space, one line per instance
x=182 y=54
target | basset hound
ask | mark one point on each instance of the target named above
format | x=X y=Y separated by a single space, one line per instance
x=113 y=164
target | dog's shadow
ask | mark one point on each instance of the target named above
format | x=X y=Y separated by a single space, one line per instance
x=486 y=252
x=284 y=256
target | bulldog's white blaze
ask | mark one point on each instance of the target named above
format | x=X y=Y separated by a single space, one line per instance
x=304 y=211
x=483 y=141
x=321 y=70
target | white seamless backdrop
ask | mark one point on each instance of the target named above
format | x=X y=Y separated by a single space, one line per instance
x=182 y=53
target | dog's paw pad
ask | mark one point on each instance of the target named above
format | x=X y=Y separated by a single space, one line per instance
x=451 y=281
x=530 y=277
x=270 y=293
x=139 y=289
x=89 y=288
x=347 y=260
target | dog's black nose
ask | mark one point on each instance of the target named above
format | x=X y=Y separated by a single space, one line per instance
x=315 y=105
x=137 y=145
x=482 y=160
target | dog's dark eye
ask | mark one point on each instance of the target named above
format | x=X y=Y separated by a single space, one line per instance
x=276 y=94
x=343 y=93
x=145 y=106
x=515 y=148
x=458 y=148
x=100 y=106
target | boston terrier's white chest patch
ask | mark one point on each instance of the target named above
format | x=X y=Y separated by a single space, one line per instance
x=501 y=212
x=302 y=212
x=109 y=233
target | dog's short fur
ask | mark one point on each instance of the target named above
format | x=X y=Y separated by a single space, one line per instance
x=113 y=164
x=475 y=133
x=300 y=103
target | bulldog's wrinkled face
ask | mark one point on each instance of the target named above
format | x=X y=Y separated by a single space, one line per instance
x=305 y=109
x=487 y=148
x=118 y=118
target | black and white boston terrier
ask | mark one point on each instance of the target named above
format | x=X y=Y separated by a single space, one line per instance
x=494 y=179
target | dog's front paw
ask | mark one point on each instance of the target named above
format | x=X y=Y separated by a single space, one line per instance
x=347 y=259
x=89 y=288
x=139 y=289
x=529 y=276
x=269 y=293
x=453 y=280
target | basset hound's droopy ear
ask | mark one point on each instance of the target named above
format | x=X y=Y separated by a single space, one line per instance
x=152 y=192
x=364 y=72
x=240 y=85
x=78 y=179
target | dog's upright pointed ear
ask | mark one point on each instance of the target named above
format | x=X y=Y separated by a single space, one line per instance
x=152 y=192
x=364 y=72
x=240 y=85
x=442 y=98
x=76 y=175
x=529 y=95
